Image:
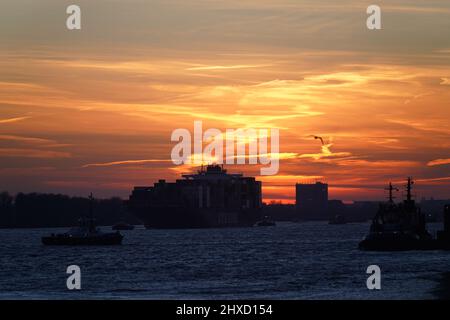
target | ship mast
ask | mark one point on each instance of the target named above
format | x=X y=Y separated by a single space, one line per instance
x=391 y=188
x=91 y=224
x=408 y=189
x=91 y=202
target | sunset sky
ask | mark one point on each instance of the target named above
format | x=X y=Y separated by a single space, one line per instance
x=93 y=109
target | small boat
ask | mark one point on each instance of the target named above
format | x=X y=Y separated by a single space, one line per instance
x=266 y=222
x=122 y=226
x=86 y=233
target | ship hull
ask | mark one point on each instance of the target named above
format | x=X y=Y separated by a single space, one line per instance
x=121 y=228
x=266 y=224
x=104 y=240
x=388 y=245
x=400 y=242
x=155 y=217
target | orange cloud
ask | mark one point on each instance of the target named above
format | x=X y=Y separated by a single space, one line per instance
x=326 y=153
x=32 y=153
x=10 y=120
x=123 y=162
x=232 y=67
x=438 y=162
x=26 y=139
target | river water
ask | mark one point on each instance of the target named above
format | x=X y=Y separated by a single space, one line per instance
x=310 y=260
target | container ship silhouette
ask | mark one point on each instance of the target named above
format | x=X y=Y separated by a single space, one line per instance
x=211 y=198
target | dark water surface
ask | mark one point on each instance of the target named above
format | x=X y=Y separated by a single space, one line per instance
x=290 y=261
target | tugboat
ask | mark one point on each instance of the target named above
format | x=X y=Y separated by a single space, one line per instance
x=399 y=227
x=122 y=226
x=86 y=233
x=266 y=222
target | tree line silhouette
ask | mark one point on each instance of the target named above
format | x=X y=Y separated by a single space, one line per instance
x=38 y=210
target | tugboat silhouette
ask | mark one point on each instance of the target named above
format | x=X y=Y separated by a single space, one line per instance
x=86 y=233
x=401 y=227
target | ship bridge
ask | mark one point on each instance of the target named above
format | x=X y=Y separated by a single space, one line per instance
x=212 y=172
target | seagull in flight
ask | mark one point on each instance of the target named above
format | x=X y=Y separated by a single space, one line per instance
x=317 y=137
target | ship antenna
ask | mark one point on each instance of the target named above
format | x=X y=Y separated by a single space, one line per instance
x=408 y=189
x=91 y=213
x=391 y=188
x=91 y=206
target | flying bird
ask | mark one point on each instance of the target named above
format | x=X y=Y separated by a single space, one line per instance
x=317 y=137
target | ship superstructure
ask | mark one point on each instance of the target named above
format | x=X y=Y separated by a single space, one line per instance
x=87 y=233
x=404 y=217
x=402 y=226
x=209 y=198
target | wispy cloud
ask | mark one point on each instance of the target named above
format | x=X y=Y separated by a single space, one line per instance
x=32 y=153
x=418 y=9
x=124 y=162
x=419 y=96
x=445 y=81
x=240 y=66
x=438 y=162
x=25 y=139
x=433 y=179
x=378 y=163
x=325 y=153
x=10 y=120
